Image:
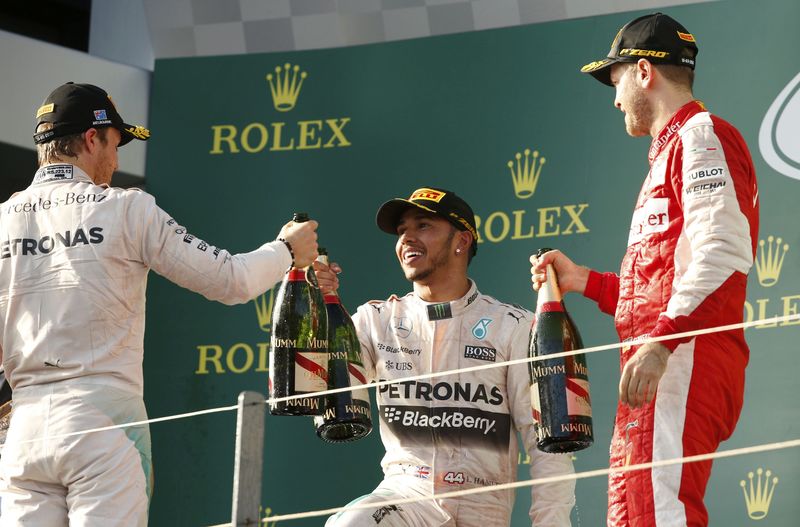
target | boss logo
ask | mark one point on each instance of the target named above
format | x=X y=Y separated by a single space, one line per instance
x=480 y=353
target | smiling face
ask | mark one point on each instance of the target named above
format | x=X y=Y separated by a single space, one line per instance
x=426 y=246
x=631 y=99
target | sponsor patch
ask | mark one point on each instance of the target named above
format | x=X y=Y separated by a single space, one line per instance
x=440 y=311
x=650 y=218
x=427 y=193
x=402 y=326
x=479 y=330
x=47 y=108
x=54 y=173
x=383 y=512
x=480 y=353
x=398 y=366
x=468 y=427
x=705 y=181
x=705 y=173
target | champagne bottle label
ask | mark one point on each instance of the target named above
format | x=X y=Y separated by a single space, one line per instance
x=578 y=402
x=310 y=374
x=536 y=403
x=358 y=377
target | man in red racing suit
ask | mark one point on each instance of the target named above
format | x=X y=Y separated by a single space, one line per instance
x=691 y=244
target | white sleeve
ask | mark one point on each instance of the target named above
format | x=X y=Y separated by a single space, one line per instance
x=168 y=248
x=551 y=503
x=362 y=322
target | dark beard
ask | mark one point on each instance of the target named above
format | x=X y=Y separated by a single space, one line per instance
x=441 y=260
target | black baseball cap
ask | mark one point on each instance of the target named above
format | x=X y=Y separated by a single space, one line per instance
x=657 y=37
x=74 y=108
x=441 y=202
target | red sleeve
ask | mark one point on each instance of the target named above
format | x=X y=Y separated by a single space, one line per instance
x=603 y=288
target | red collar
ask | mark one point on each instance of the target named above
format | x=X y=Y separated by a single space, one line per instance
x=673 y=125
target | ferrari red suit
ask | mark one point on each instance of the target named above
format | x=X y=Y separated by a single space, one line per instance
x=692 y=242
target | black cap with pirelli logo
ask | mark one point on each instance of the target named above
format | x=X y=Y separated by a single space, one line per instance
x=441 y=202
x=658 y=38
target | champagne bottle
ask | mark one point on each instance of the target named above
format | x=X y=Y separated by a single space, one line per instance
x=562 y=409
x=298 y=355
x=347 y=415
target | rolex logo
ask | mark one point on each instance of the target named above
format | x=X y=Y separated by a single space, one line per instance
x=758 y=495
x=525 y=172
x=769 y=260
x=285 y=86
x=264 y=303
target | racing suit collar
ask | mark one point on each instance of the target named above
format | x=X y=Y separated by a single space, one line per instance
x=673 y=125
x=60 y=172
x=445 y=310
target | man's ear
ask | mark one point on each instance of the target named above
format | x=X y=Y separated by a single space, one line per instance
x=91 y=141
x=464 y=242
x=644 y=71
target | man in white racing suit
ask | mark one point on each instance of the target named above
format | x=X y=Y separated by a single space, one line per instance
x=456 y=431
x=74 y=259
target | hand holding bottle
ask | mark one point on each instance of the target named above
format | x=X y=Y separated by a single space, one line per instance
x=326 y=277
x=302 y=237
x=571 y=277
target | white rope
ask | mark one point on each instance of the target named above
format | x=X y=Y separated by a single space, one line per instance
x=126 y=425
x=593 y=349
x=538 y=481
x=687 y=334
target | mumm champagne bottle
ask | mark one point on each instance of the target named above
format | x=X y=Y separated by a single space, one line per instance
x=298 y=355
x=347 y=415
x=562 y=409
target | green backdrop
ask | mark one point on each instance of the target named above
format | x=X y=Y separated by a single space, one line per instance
x=375 y=122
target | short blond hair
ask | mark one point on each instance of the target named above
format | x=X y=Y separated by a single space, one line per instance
x=680 y=75
x=56 y=149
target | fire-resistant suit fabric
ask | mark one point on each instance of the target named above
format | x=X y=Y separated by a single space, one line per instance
x=456 y=431
x=691 y=244
x=74 y=259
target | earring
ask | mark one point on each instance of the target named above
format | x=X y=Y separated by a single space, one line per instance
x=458 y=251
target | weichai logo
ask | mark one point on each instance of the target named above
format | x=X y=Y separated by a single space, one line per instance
x=284 y=86
x=526 y=169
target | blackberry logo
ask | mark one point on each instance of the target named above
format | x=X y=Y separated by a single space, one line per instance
x=392 y=414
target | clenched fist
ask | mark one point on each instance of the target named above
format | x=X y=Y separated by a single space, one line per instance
x=303 y=239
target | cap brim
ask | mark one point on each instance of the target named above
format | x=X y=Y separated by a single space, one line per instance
x=389 y=213
x=600 y=70
x=129 y=132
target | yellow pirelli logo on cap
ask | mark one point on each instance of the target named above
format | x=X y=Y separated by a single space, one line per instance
x=688 y=37
x=427 y=193
x=47 y=108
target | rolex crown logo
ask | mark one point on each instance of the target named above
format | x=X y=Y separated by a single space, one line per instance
x=264 y=304
x=525 y=172
x=285 y=85
x=758 y=495
x=770 y=260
